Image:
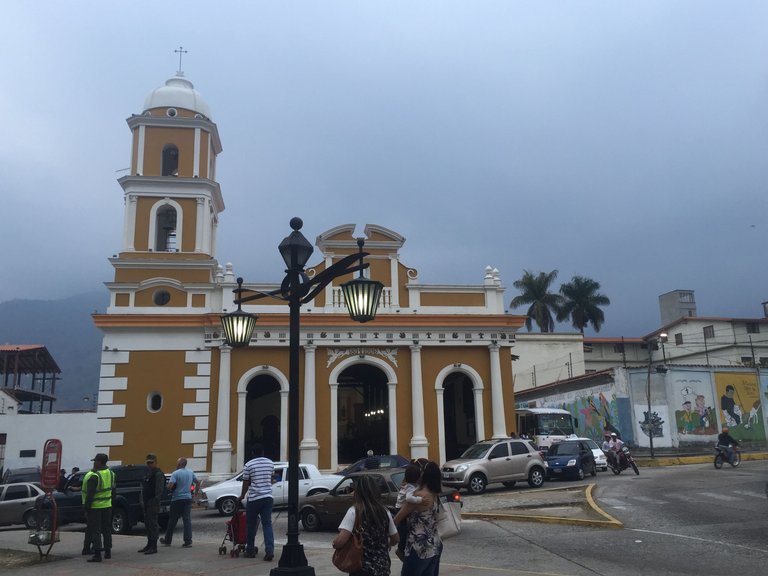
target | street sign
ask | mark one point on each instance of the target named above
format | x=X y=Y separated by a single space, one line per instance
x=51 y=465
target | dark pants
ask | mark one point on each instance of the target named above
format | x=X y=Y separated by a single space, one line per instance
x=255 y=509
x=99 y=526
x=180 y=509
x=151 y=512
x=415 y=566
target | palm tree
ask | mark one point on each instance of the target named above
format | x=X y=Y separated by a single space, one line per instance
x=582 y=303
x=534 y=290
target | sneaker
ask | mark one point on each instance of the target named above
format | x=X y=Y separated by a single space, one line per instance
x=187 y=545
x=165 y=542
x=107 y=554
x=249 y=554
x=268 y=557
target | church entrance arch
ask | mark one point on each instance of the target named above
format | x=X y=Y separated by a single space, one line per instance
x=459 y=414
x=363 y=412
x=262 y=415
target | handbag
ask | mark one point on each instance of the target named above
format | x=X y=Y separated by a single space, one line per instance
x=349 y=558
x=447 y=523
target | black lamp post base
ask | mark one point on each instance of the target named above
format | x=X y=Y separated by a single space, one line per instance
x=292 y=562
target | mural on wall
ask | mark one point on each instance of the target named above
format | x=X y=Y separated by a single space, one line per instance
x=694 y=404
x=740 y=405
x=595 y=409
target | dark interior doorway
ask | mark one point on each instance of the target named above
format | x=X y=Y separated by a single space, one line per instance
x=458 y=414
x=363 y=411
x=262 y=416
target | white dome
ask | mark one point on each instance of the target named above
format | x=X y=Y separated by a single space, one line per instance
x=178 y=92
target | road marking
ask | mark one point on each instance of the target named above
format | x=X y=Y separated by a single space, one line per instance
x=614 y=502
x=719 y=542
x=718 y=496
x=683 y=497
x=750 y=493
x=504 y=570
x=648 y=500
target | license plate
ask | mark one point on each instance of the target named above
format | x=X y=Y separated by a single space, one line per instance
x=446 y=475
x=557 y=470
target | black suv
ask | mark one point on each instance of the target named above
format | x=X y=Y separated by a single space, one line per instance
x=126 y=506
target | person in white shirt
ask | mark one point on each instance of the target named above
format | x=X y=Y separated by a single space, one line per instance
x=257 y=484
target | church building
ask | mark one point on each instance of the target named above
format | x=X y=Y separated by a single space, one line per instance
x=431 y=375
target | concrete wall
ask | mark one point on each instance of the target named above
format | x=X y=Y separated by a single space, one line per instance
x=77 y=432
x=545 y=358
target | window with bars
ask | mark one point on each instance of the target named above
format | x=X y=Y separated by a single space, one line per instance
x=709 y=332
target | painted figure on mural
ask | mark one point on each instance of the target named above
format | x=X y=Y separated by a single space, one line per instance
x=687 y=420
x=731 y=410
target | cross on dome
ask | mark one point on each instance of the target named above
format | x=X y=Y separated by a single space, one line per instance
x=181 y=53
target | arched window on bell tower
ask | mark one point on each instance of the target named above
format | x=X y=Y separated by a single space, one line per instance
x=165 y=227
x=170 y=165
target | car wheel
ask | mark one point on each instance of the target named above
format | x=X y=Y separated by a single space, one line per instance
x=227 y=505
x=316 y=491
x=477 y=483
x=536 y=477
x=581 y=473
x=30 y=520
x=120 y=524
x=593 y=472
x=510 y=483
x=310 y=520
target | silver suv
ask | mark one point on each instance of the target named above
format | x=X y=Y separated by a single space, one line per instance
x=505 y=461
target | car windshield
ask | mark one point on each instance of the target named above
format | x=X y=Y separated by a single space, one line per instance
x=477 y=450
x=592 y=445
x=564 y=449
x=561 y=424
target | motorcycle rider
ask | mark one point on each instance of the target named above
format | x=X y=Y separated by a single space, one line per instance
x=726 y=442
x=615 y=445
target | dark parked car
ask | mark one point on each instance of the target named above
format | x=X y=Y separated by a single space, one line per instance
x=570 y=459
x=29 y=474
x=126 y=506
x=382 y=461
x=326 y=511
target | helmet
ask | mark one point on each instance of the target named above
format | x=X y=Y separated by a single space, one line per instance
x=613 y=435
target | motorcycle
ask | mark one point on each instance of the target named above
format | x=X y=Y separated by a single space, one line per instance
x=622 y=462
x=721 y=457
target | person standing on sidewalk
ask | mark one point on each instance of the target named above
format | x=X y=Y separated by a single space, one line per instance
x=98 y=490
x=151 y=490
x=181 y=502
x=257 y=484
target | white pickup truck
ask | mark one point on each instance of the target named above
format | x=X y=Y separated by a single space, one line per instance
x=224 y=495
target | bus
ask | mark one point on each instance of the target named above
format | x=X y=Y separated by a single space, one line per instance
x=545 y=425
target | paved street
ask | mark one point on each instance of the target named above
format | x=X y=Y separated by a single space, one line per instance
x=689 y=519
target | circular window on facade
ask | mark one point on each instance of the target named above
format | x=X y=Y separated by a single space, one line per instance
x=161 y=297
x=154 y=401
x=171 y=112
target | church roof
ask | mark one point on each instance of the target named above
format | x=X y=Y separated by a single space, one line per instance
x=178 y=92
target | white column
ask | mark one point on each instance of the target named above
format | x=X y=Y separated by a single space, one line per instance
x=479 y=414
x=392 y=400
x=439 y=390
x=419 y=444
x=395 y=279
x=140 y=151
x=309 y=445
x=497 y=394
x=129 y=229
x=196 y=157
x=199 y=224
x=240 y=456
x=207 y=227
x=221 y=457
x=284 y=427
x=334 y=425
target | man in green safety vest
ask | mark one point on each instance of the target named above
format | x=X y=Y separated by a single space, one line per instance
x=98 y=490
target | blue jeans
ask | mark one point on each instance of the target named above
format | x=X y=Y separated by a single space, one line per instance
x=255 y=509
x=179 y=509
x=415 y=566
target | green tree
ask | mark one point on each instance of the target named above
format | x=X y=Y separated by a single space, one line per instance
x=534 y=292
x=582 y=301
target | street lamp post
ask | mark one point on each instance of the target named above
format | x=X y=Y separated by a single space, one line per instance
x=648 y=418
x=362 y=299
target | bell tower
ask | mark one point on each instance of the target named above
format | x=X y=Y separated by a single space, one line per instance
x=172 y=200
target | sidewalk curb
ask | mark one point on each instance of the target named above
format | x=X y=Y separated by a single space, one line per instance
x=648 y=462
x=608 y=522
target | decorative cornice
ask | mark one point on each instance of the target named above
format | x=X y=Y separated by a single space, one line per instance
x=335 y=353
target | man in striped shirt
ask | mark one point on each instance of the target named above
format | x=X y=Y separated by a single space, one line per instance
x=257 y=483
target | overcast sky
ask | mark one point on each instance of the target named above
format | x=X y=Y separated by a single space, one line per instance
x=624 y=141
